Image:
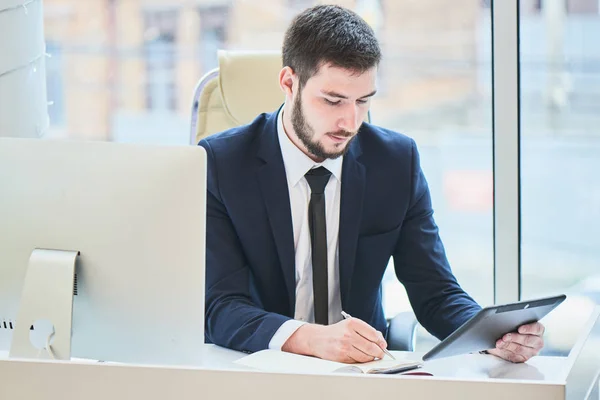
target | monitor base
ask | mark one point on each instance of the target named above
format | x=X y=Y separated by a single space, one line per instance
x=47 y=297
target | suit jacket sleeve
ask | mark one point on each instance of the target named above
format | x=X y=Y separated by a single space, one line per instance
x=438 y=301
x=232 y=319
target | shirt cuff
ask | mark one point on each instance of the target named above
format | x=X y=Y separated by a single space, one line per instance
x=284 y=332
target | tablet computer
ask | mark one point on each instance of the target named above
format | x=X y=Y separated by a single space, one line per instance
x=487 y=326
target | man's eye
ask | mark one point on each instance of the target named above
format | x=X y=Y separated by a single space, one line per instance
x=362 y=101
x=332 y=103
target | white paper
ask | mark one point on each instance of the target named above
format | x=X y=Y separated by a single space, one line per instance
x=280 y=361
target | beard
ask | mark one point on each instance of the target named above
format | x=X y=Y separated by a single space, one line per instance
x=306 y=134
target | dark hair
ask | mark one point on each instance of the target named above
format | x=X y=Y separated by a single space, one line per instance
x=329 y=34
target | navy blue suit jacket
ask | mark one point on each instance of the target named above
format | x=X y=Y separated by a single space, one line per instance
x=385 y=211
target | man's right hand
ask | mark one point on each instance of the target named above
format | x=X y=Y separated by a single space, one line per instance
x=348 y=341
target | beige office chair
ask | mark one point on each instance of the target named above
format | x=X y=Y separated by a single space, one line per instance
x=245 y=85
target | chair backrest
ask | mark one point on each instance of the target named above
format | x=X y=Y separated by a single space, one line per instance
x=245 y=85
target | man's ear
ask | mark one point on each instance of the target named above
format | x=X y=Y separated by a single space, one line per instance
x=288 y=82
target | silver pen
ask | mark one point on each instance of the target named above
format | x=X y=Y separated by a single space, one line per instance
x=347 y=316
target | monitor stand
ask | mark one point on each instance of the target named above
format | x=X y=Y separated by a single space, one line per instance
x=47 y=297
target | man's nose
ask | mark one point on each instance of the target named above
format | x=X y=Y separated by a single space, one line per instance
x=351 y=119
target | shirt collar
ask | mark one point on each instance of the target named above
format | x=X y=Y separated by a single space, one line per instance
x=296 y=163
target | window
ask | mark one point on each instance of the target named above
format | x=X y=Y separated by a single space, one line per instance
x=436 y=91
x=160 y=56
x=583 y=7
x=213 y=34
x=560 y=144
x=299 y=5
x=439 y=93
x=55 y=85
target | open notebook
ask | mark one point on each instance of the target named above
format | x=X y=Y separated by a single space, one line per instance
x=280 y=361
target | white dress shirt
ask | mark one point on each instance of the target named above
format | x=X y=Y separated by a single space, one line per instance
x=296 y=165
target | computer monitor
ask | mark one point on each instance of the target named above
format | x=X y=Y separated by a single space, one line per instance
x=129 y=221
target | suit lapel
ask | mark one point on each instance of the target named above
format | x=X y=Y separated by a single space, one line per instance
x=351 y=202
x=273 y=184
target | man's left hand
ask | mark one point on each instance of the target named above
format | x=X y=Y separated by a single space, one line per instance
x=520 y=347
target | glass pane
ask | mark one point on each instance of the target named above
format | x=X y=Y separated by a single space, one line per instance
x=439 y=93
x=126 y=70
x=560 y=145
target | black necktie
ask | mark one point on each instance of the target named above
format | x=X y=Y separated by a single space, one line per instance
x=317 y=179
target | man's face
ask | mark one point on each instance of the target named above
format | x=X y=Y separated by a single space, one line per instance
x=328 y=111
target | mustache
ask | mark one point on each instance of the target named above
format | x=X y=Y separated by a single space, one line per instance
x=345 y=134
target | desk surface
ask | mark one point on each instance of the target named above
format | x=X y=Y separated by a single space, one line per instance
x=469 y=366
x=471 y=376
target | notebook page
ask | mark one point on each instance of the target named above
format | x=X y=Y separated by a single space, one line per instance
x=281 y=361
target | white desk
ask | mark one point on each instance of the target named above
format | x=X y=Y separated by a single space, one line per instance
x=472 y=376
